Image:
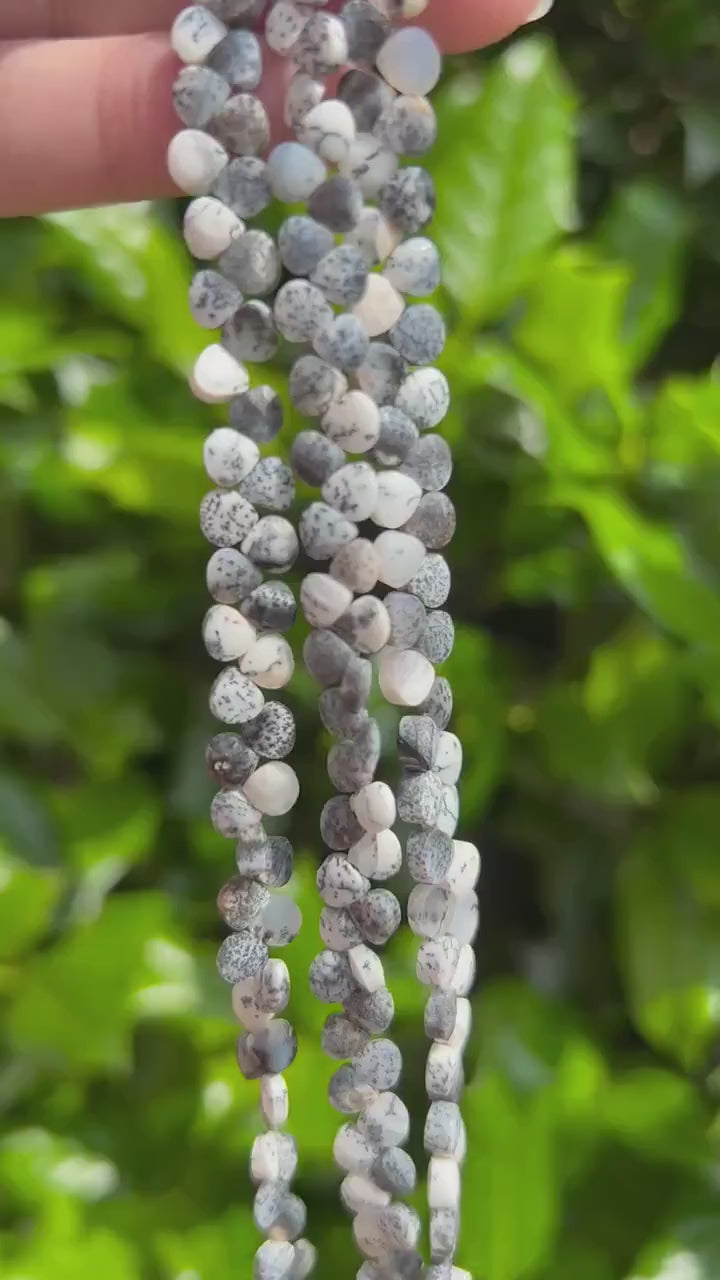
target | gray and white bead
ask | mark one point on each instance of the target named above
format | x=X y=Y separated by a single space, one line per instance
x=440 y=1015
x=444 y=1073
x=371 y=166
x=303 y=242
x=352 y=763
x=270 y=607
x=398 y=497
x=273 y=788
x=326 y=657
x=366 y=95
x=269 y=485
x=272 y=544
x=275 y=1211
x=379 y=1064
x=283 y=25
x=233 y=815
x=343 y=343
x=378 y=916
x=323 y=599
x=382 y=374
x=229 y=456
x=405 y=676
x=339 y=883
x=373 y=236
x=374 y=807
x=273 y=1158
x=195 y=161
x=340 y=828
x=408 y=619
x=226 y=518
x=401 y=557
x=306 y=1257
x=353 y=1151
x=346 y=1092
x=439 y=703
x=269 y=662
x=275 y=1046
x=394 y=1171
x=252 y=263
x=379 y=1231
x=337 y=714
x=358 y=1192
x=386 y=1121
x=227 y=635
x=250 y=334
x=342 y=276
x=210 y=227
x=379 y=307
x=430 y=463
x=398 y=434
x=408 y=198
x=274 y=990
x=258 y=413
x=217 y=376
x=322 y=45
x=434 y=522
x=279 y=925
x=371 y=1010
x=271 y=733
x=408 y=125
x=198 y=95
x=379 y=857
x=314 y=386
x=242 y=125
x=427 y=909
x=240 y=900
x=419 y=333
x=301 y=311
x=294 y=171
x=352 y=490
x=330 y=977
x=366 y=625
x=269 y=861
x=353 y=422
x=337 y=203
x=302 y=94
x=367 y=28
x=420 y=796
x=341 y=1039
x=449 y=759
x=339 y=932
x=230 y=760
x=240 y=956
x=238 y=59
x=212 y=299
x=414 y=267
x=437 y=960
x=430 y=856
x=432 y=582
x=244 y=186
x=410 y=61
x=273 y=1260
x=424 y=396
x=195 y=32
x=444 y=1235
x=417 y=740
x=367 y=968
x=315 y=458
x=231 y=576
x=328 y=129
x=357 y=565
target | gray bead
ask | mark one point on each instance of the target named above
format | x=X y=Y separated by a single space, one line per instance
x=339 y=827
x=229 y=760
x=366 y=95
x=408 y=199
x=225 y=517
x=244 y=186
x=249 y=1063
x=337 y=203
x=326 y=657
x=419 y=334
x=432 y=582
x=386 y=1122
x=212 y=299
x=414 y=267
x=408 y=619
x=313 y=385
x=271 y=607
x=274 y=1260
x=275 y=1046
x=378 y=915
x=231 y=576
x=366 y=28
x=382 y=373
x=330 y=977
x=198 y=95
x=419 y=799
x=429 y=856
x=443 y=1129
x=352 y=764
x=304 y=1260
x=339 y=883
x=270 y=484
x=240 y=900
x=242 y=125
x=433 y=521
x=278 y=1213
x=342 y=276
x=356 y=683
x=258 y=413
x=398 y=434
x=429 y=462
x=440 y=1015
x=322 y=45
x=439 y=703
x=341 y=1038
x=379 y=1064
x=394 y=1171
x=273 y=544
x=371 y=1010
x=408 y=126
x=444 y=1234
x=302 y=243
x=238 y=59
x=324 y=531
x=417 y=740
x=438 y=638
x=232 y=815
x=337 y=717
x=315 y=458
x=272 y=733
x=269 y=861
x=344 y=343
x=346 y=1093
x=301 y=311
x=252 y=262
x=250 y=334
x=338 y=931
x=240 y=956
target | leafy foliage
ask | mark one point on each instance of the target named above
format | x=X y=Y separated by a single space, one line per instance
x=579 y=219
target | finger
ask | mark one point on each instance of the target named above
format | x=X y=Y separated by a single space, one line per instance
x=99 y=131
x=458 y=24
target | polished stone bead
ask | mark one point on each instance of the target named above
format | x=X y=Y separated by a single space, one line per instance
x=269 y=861
x=240 y=900
x=427 y=910
x=271 y=733
x=338 y=932
x=420 y=796
x=240 y=956
x=227 y=634
x=371 y=1010
x=303 y=242
x=273 y=788
x=414 y=267
x=234 y=699
x=353 y=421
x=382 y=373
x=357 y=565
x=251 y=334
x=366 y=95
x=352 y=490
x=410 y=61
x=315 y=458
x=408 y=199
x=258 y=414
x=398 y=497
x=270 y=485
x=314 y=385
x=210 y=227
x=346 y=1093
x=386 y=1121
x=379 y=856
x=337 y=203
x=440 y=1015
x=367 y=28
x=272 y=544
x=283 y=25
x=370 y=164
x=339 y=827
x=424 y=396
x=212 y=299
x=273 y=1157
x=430 y=463
x=342 y=276
x=330 y=977
x=408 y=619
x=398 y=434
x=444 y=1235
x=229 y=760
x=358 y=1191
x=343 y=343
x=366 y=625
x=323 y=599
x=394 y=1171
x=226 y=517
x=373 y=236
x=340 y=1037
x=443 y=1184
x=275 y=1212
x=198 y=95
x=195 y=32
x=353 y=1151
x=275 y=1046
x=328 y=129
x=437 y=960
x=302 y=94
x=238 y=58
x=279 y=924
x=418 y=739
x=408 y=126
x=377 y=915
x=405 y=676
x=379 y=1064
x=229 y=456
x=294 y=172
x=273 y=1260
x=339 y=883
x=449 y=759
x=242 y=125
x=432 y=582
x=322 y=46
x=379 y=307
x=367 y=968
x=301 y=312
x=269 y=662
x=439 y=703
x=430 y=856
x=434 y=522
x=195 y=160
x=326 y=657
x=217 y=376
x=352 y=764
x=252 y=263
x=244 y=186
x=419 y=333
x=338 y=716
x=305 y=1259
x=274 y=990
x=379 y=1231
x=401 y=557
x=444 y=1073
x=271 y=607
x=374 y=807
x=231 y=576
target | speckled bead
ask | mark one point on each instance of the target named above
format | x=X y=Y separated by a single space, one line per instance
x=252 y=263
x=271 y=733
x=258 y=413
x=231 y=576
x=343 y=343
x=250 y=334
x=199 y=94
x=366 y=95
x=238 y=59
x=302 y=243
x=270 y=606
x=244 y=186
x=377 y=915
x=234 y=699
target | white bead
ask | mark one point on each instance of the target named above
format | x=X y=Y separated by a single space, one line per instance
x=283 y=25
x=217 y=376
x=229 y=456
x=443 y=1073
x=324 y=599
x=380 y=306
x=391 y=1230
x=210 y=227
x=464 y=870
x=357 y=565
x=274 y=1103
x=294 y=172
x=449 y=758
x=272 y=1157
x=465 y=972
x=413 y=266
x=406 y=677
x=234 y=699
x=281 y=921
x=463 y=1025
x=463 y=918
x=370 y=164
x=358 y=1193
x=269 y=662
x=379 y=857
x=425 y=397
x=410 y=61
x=397 y=499
x=352 y=490
x=195 y=33
x=273 y=1260
x=227 y=634
x=427 y=909
x=401 y=555
x=352 y=1151
x=303 y=93
x=443 y=1184
x=367 y=968
x=329 y=129
x=273 y=788
x=369 y=624
x=437 y=960
x=374 y=807
x=449 y=811
x=195 y=160
x=353 y=422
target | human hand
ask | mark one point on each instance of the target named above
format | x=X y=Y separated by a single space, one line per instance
x=85 y=93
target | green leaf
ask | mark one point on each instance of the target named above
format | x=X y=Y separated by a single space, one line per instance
x=506 y=174
x=28 y=897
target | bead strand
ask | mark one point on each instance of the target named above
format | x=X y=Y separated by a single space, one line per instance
x=216 y=159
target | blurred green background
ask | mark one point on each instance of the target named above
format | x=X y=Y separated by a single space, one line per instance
x=579 y=179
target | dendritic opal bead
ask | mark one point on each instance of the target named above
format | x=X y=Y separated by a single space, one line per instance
x=406 y=677
x=414 y=267
x=198 y=95
x=401 y=557
x=234 y=699
x=410 y=61
x=242 y=125
x=322 y=45
x=227 y=634
x=229 y=456
x=408 y=125
x=252 y=263
x=244 y=186
x=430 y=462
x=238 y=58
x=294 y=172
x=195 y=160
x=408 y=199
x=302 y=243
x=329 y=129
x=212 y=299
x=283 y=25
x=353 y=422
x=195 y=33
x=210 y=227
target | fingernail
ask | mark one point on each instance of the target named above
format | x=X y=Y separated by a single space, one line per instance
x=541 y=10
